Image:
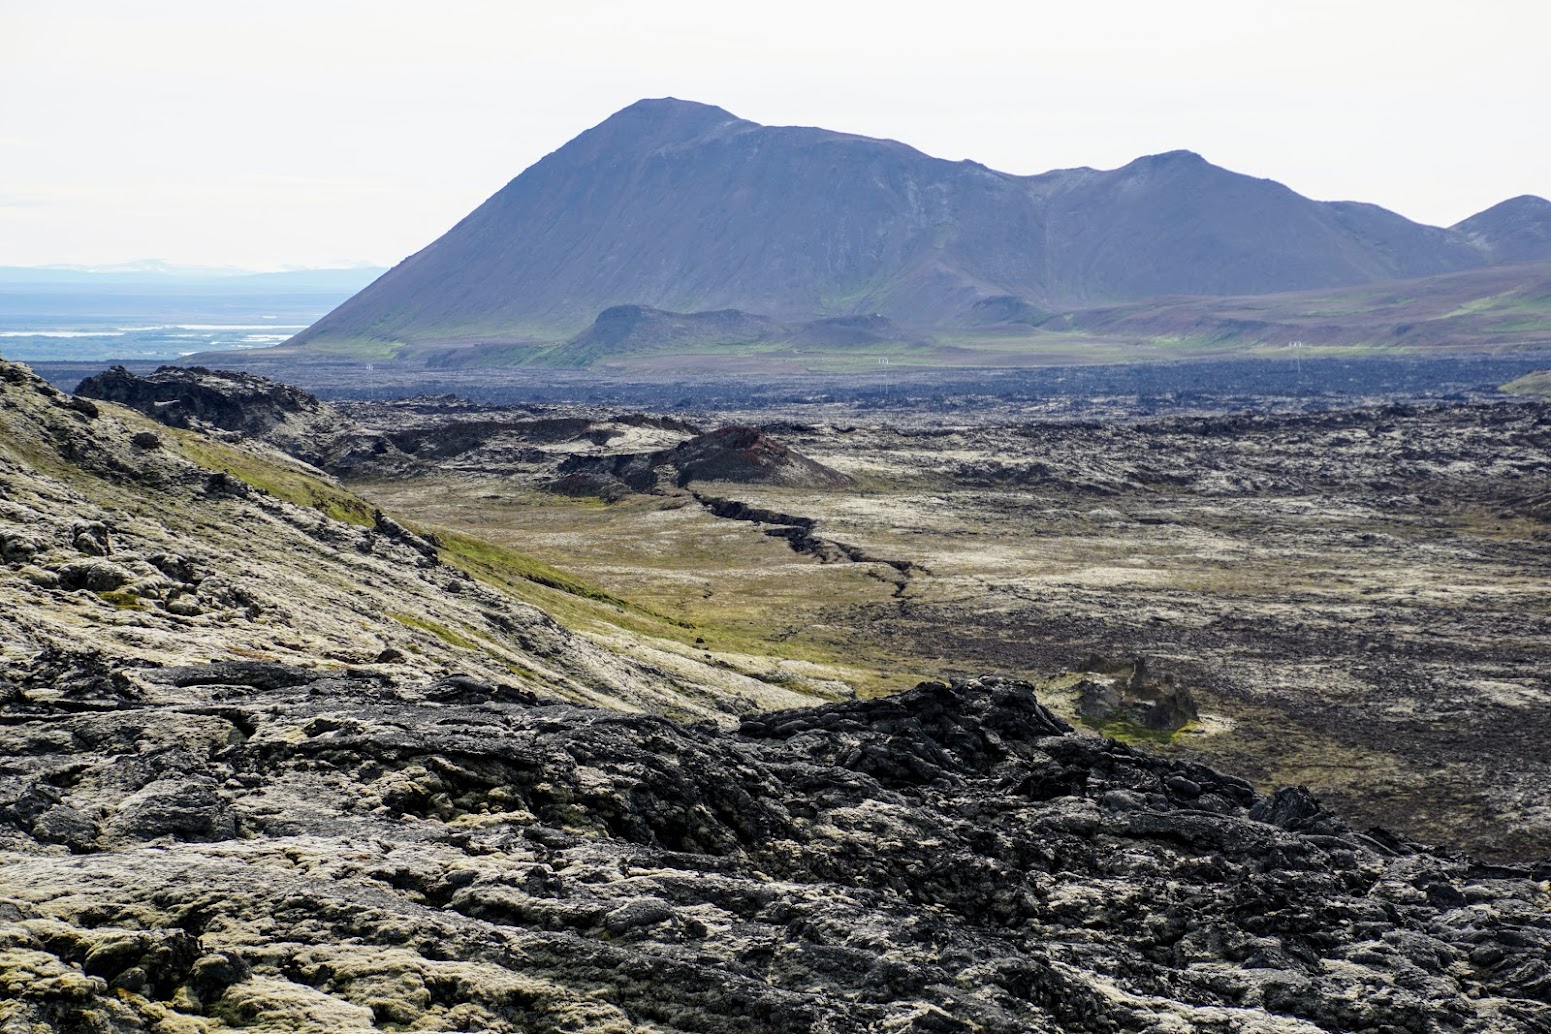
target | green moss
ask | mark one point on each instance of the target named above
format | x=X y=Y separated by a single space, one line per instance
x=1130 y=732
x=1475 y=305
x=278 y=479
x=437 y=629
x=692 y=586
x=522 y=671
x=1514 y=301
x=502 y=567
x=1536 y=383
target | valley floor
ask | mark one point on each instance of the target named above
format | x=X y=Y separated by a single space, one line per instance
x=1359 y=600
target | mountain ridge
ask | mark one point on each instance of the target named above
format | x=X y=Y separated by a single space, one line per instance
x=685 y=207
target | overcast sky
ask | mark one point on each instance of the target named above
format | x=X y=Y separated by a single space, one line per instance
x=321 y=132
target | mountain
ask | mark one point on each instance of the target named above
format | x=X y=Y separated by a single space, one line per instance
x=1174 y=224
x=1516 y=230
x=684 y=207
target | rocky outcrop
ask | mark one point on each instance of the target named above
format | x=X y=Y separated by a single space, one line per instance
x=192 y=396
x=608 y=477
x=156 y=557
x=234 y=842
x=735 y=453
x=747 y=455
x=1132 y=694
x=195 y=398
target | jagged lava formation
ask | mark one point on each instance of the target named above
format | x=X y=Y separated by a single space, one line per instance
x=734 y=453
x=188 y=396
x=296 y=849
x=242 y=404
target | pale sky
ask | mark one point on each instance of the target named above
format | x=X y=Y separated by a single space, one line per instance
x=322 y=132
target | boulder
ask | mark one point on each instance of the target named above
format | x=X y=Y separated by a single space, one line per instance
x=96 y=575
x=185 y=807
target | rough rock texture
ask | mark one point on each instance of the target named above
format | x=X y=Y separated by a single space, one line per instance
x=733 y=453
x=233 y=844
x=1131 y=693
x=209 y=549
x=271 y=760
x=748 y=454
x=192 y=397
x=1356 y=589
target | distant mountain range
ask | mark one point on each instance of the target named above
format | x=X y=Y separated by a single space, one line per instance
x=685 y=209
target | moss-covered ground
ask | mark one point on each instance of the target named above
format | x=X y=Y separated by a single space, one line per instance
x=1326 y=592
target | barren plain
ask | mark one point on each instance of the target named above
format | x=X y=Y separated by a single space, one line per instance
x=1357 y=599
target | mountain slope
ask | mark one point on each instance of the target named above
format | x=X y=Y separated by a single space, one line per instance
x=1483 y=309
x=1516 y=230
x=130 y=543
x=1175 y=224
x=685 y=207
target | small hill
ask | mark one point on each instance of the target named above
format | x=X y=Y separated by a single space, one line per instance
x=748 y=455
x=734 y=453
x=628 y=329
x=1536 y=383
x=638 y=330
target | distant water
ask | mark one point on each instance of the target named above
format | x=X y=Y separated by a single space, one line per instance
x=67 y=339
x=91 y=326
